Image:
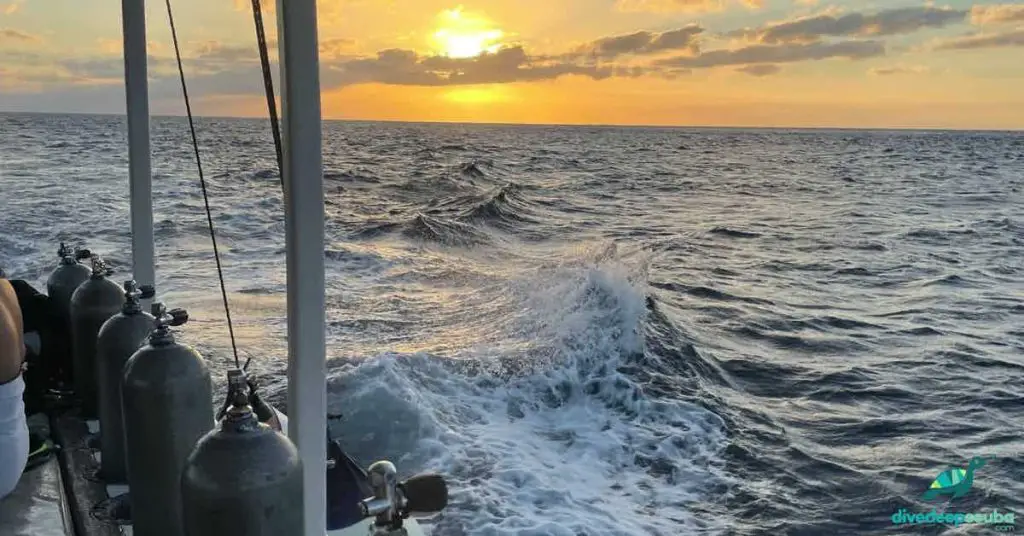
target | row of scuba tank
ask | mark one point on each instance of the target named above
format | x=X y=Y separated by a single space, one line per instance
x=187 y=473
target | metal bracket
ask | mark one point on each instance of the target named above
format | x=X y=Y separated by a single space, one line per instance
x=387 y=502
x=394 y=501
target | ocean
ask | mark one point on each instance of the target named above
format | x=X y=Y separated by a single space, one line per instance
x=598 y=330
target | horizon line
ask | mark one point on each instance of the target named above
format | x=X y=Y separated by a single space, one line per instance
x=1016 y=130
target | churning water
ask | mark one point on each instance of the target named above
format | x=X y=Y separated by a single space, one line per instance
x=603 y=331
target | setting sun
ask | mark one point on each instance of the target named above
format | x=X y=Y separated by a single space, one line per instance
x=461 y=35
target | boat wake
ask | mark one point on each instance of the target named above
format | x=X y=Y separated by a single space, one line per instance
x=546 y=429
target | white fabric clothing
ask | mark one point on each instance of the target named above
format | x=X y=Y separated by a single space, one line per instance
x=13 y=435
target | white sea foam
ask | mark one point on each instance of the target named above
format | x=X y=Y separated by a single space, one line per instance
x=570 y=446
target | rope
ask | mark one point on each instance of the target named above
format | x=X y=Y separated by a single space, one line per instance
x=202 y=182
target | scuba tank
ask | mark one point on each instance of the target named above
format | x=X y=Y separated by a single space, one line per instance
x=243 y=478
x=92 y=303
x=118 y=339
x=66 y=278
x=168 y=405
x=56 y=335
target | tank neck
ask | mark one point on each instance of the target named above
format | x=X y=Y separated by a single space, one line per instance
x=161 y=336
x=131 y=307
x=133 y=293
x=240 y=419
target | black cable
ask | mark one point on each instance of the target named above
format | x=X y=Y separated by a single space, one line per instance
x=202 y=182
x=268 y=85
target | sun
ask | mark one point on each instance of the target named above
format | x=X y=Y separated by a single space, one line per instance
x=457 y=44
x=461 y=35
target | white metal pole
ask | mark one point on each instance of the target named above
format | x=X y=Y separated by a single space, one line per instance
x=136 y=84
x=304 y=229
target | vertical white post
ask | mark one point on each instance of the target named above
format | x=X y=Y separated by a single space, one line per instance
x=136 y=84
x=304 y=228
x=139 y=172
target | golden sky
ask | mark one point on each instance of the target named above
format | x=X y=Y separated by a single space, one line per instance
x=847 y=63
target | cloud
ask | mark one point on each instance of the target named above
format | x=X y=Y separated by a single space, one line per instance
x=897 y=69
x=644 y=42
x=215 y=68
x=765 y=69
x=1012 y=38
x=995 y=14
x=115 y=47
x=328 y=12
x=889 y=22
x=405 y=67
x=34 y=71
x=336 y=47
x=758 y=54
x=216 y=52
x=669 y=6
x=10 y=35
x=13 y=7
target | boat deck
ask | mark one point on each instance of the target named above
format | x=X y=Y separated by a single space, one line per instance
x=38 y=506
x=57 y=498
x=60 y=497
x=79 y=463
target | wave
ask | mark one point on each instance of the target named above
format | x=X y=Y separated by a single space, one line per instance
x=800 y=343
x=733 y=233
x=507 y=207
x=470 y=169
x=570 y=444
x=423 y=227
x=710 y=293
x=359 y=175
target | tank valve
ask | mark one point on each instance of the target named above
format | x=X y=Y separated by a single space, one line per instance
x=394 y=501
x=238 y=387
x=69 y=255
x=136 y=292
x=133 y=292
x=164 y=320
x=66 y=254
x=99 y=267
x=237 y=399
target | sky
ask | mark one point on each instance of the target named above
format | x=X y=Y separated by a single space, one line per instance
x=771 y=63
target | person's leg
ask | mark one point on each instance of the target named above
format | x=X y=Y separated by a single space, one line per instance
x=13 y=426
x=13 y=435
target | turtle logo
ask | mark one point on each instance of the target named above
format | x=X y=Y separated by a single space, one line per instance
x=954 y=481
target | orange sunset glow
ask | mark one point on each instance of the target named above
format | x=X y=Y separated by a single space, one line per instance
x=848 y=63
